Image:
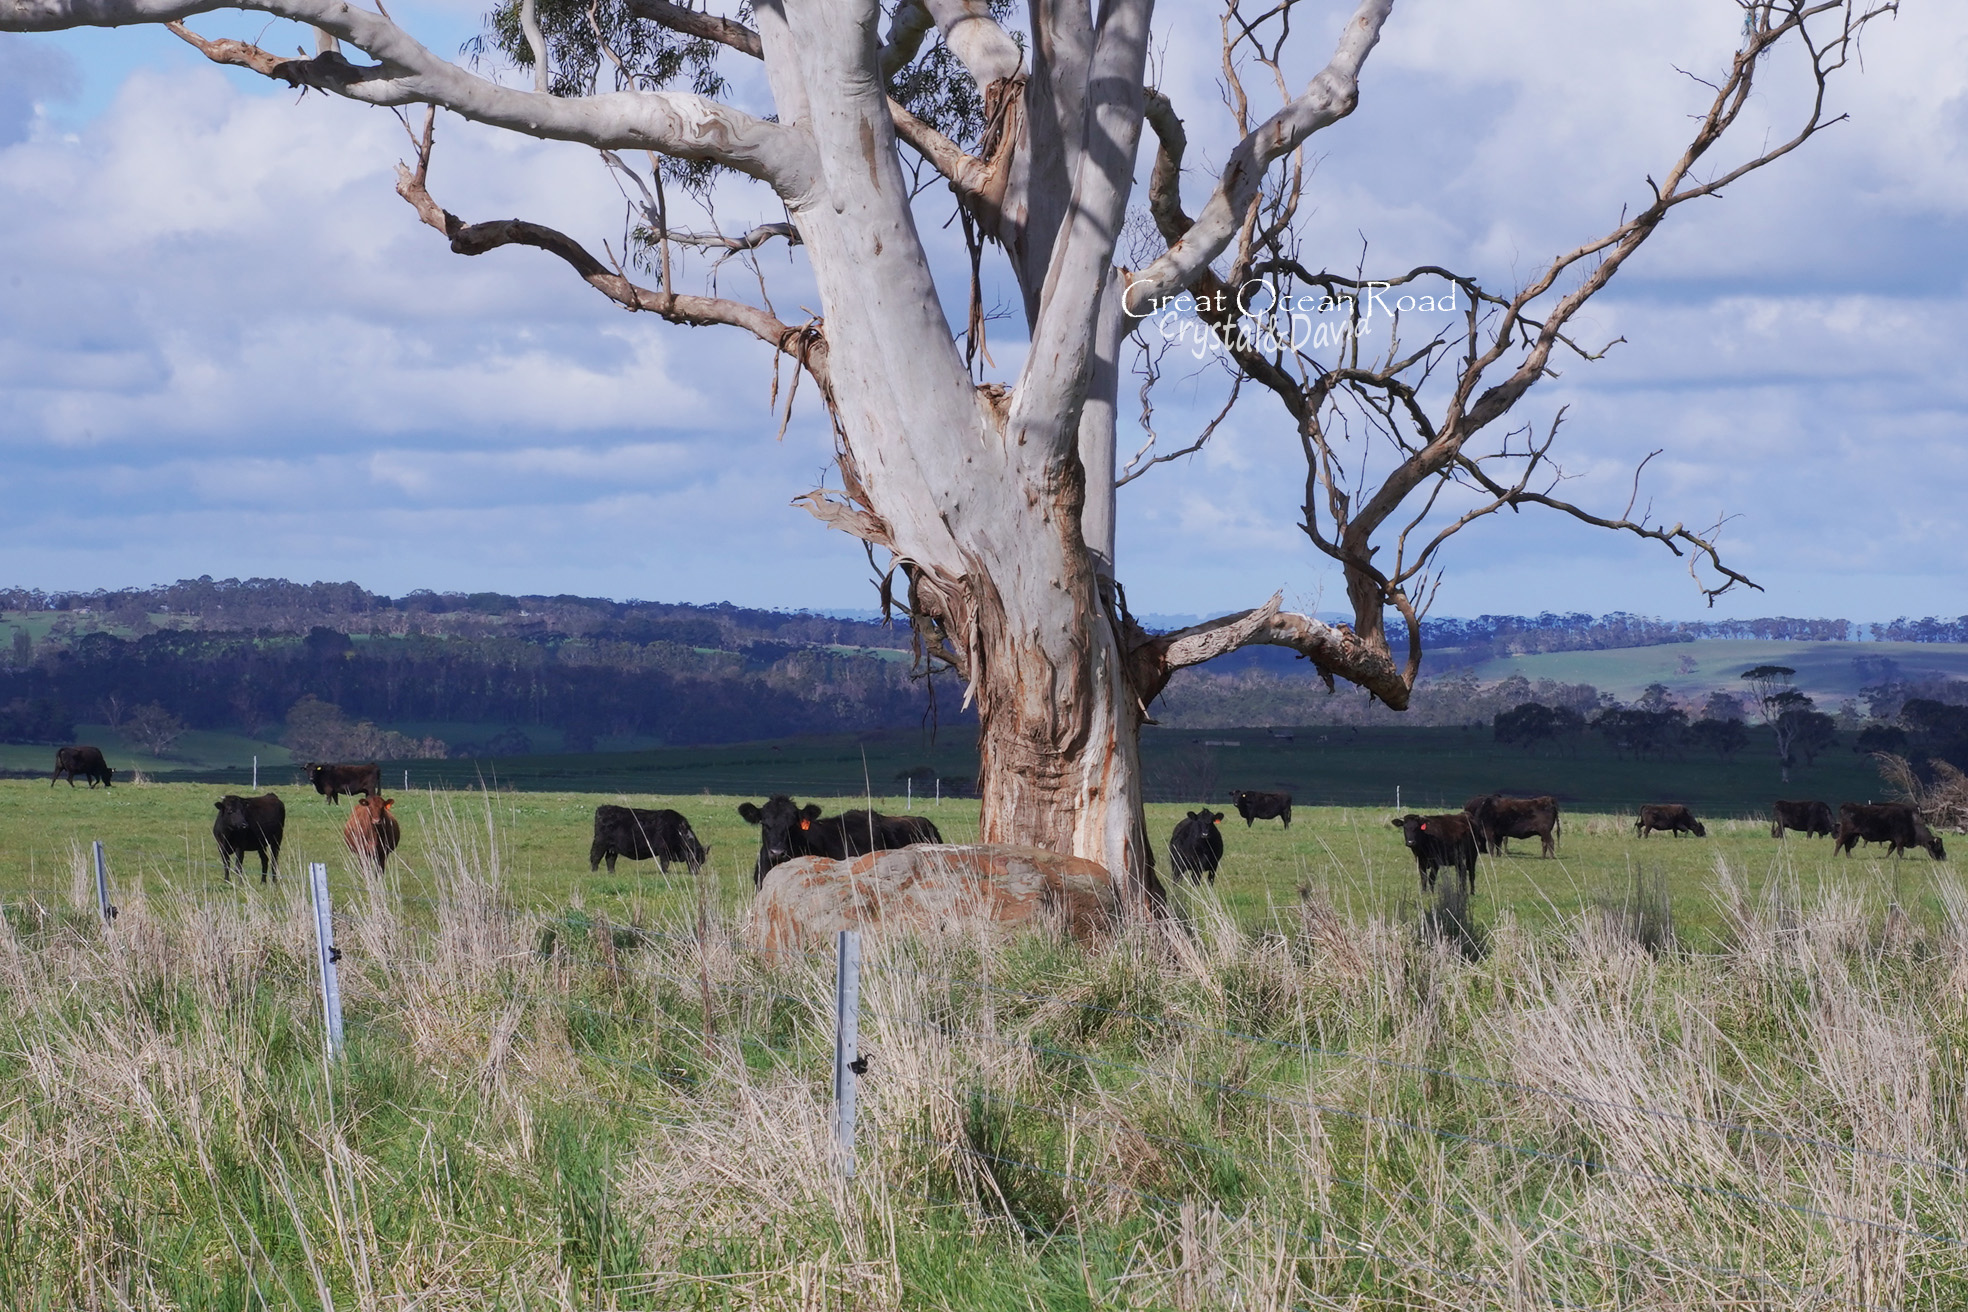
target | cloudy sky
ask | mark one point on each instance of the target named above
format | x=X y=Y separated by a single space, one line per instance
x=227 y=348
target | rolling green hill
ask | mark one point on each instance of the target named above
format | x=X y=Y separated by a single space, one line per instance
x=1827 y=671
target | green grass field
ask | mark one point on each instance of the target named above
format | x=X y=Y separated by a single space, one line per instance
x=158 y=837
x=543 y=1108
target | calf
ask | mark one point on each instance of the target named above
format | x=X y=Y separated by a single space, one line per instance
x=622 y=831
x=1676 y=820
x=85 y=761
x=1892 y=823
x=1496 y=819
x=1196 y=846
x=1437 y=841
x=372 y=832
x=249 y=824
x=1262 y=806
x=331 y=781
x=787 y=830
x=1813 y=818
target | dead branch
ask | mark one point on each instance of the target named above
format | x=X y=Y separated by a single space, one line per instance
x=806 y=345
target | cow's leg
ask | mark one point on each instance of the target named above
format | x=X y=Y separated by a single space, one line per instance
x=611 y=861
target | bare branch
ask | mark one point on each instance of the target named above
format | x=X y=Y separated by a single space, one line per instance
x=536 y=41
x=907 y=27
x=672 y=123
x=1129 y=472
x=806 y=345
x=705 y=27
x=1334 y=649
x=1330 y=97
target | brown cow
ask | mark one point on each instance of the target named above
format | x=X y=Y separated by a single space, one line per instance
x=1812 y=818
x=331 y=781
x=372 y=832
x=1497 y=819
x=85 y=761
x=1895 y=824
x=1669 y=819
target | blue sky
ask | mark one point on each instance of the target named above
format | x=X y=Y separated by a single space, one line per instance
x=227 y=348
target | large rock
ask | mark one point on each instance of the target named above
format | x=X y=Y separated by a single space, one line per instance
x=933 y=888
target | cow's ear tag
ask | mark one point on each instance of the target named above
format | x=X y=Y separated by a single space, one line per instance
x=1424 y=829
x=806 y=824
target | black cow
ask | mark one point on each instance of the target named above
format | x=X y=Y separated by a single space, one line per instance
x=1196 y=846
x=1812 y=818
x=250 y=824
x=1676 y=820
x=331 y=781
x=1437 y=841
x=1892 y=823
x=85 y=761
x=1497 y=819
x=787 y=830
x=1262 y=806
x=623 y=831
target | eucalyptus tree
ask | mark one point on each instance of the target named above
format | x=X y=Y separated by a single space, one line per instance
x=989 y=503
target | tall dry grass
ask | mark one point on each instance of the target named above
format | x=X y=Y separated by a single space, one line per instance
x=536 y=1112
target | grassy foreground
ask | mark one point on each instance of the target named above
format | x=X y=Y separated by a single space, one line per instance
x=538 y=1109
x=158 y=838
x=1312 y=1090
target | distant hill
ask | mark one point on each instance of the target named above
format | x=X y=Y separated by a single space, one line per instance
x=495 y=675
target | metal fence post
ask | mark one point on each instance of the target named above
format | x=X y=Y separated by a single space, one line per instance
x=847 y=1044
x=102 y=885
x=256 y=774
x=324 y=942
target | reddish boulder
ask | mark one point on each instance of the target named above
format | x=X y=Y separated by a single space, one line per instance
x=931 y=888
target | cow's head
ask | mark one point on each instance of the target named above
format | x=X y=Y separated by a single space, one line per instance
x=232 y=810
x=782 y=830
x=1700 y=831
x=1930 y=840
x=694 y=852
x=1413 y=828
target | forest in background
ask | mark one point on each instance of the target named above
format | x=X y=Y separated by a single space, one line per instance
x=333 y=670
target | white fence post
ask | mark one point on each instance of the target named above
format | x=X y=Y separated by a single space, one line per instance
x=909 y=795
x=102 y=885
x=256 y=774
x=847 y=1043
x=1397 y=797
x=324 y=942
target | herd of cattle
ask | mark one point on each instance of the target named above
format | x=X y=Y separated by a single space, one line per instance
x=1486 y=824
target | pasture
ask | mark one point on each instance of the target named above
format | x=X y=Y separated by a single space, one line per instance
x=159 y=839
x=557 y=1094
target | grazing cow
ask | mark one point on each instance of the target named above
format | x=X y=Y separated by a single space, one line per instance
x=1892 y=823
x=1262 y=806
x=372 y=832
x=1812 y=818
x=249 y=824
x=787 y=830
x=1437 y=841
x=622 y=831
x=1496 y=819
x=1196 y=846
x=1676 y=820
x=85 y=761
x=331 y=781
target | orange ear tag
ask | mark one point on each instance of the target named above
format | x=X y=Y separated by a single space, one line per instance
x=806 y=824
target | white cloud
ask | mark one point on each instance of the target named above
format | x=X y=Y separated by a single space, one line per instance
x=226 y=346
